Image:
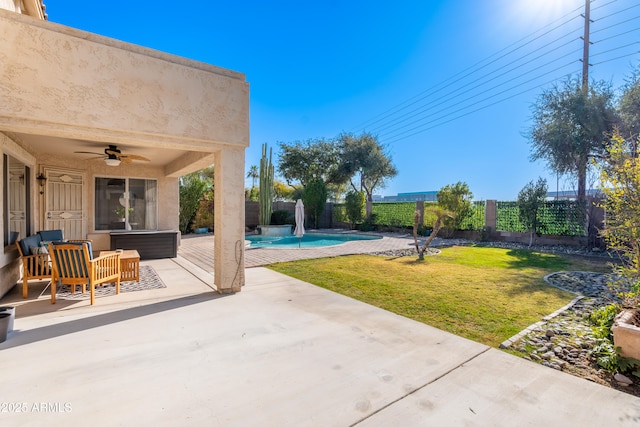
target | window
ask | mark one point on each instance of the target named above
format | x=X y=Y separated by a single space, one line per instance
x=126 y=204
x=16 y=200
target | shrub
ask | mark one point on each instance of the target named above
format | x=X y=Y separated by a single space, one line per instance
x=314 y=197
x=455 y=199
x=369 y=224
x=354 y=206
x=281 y=217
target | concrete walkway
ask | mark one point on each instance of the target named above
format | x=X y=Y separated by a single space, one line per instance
x=280 y=353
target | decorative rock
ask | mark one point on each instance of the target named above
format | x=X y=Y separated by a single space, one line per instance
x=548 y=355
x=566 y=340
x=622 y=379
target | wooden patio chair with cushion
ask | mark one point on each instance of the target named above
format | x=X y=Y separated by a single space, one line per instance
x=73 y=264
x=34 y=253
x=35 y=261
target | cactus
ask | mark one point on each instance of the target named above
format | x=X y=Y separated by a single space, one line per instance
x=266 y=186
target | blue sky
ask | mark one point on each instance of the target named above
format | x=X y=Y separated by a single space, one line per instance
x=320 y=68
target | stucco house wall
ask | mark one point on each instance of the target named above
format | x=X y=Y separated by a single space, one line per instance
x=68 y=86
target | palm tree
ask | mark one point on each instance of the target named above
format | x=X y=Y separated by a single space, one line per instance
x=253 y=174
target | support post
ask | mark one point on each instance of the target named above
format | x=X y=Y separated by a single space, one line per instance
x=229 y=210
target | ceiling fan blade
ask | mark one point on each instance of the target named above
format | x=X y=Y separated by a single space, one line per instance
x=134 y=157
x=125 y=160
x=88 y=152
x=113 y=152
x=95 y=158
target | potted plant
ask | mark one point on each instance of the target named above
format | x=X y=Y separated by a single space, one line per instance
x=121 y=212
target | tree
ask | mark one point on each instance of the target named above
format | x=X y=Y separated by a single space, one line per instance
x=569 y=127
x=629 y=111
x=620 y=184
x=530 y=198
x=302 y=162
x=283 y=191
x=455 y=199
x=441 y=216
x=253 y=174
x=192 y=188
x=314 y=197
x=354 y=205
x=365 y=164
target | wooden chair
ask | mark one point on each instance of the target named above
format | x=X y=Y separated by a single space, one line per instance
x=33 y=267
x=73 y=264
x=37 y=265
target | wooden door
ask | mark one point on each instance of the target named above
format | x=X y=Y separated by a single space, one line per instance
x=64 y=204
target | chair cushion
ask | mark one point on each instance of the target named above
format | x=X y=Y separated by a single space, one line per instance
x=38 y=250
x=28 y=242
x=76 y=243
x=51 y=235
x=77 y=266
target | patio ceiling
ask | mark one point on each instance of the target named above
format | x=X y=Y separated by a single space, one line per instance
x=162 y=157
x=67 y=147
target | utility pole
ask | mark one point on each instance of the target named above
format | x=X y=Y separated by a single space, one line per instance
x=585 y=49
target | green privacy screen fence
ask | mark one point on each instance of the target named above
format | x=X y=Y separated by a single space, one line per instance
x=557 y=217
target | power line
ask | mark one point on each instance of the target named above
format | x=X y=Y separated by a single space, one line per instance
x=483 y=107
x=396 y=109
x=396 y=124
x=391 y=113
x=487 y=98
x=450 y=99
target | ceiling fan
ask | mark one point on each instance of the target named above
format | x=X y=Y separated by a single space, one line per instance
x=113 y=156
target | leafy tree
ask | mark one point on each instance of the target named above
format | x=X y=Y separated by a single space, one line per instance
x=569 y=127
x=629 y=111
x=251 y=194
x=192 y=188
x=302 y=162
x=530 y=198
x=283 y=191
x=366 y=164
x=354 y=205
x=441 y=215
x=314 y=197
x=620 y=184
x=455 y=199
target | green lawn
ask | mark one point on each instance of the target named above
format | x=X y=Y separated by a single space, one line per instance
x=484 y=294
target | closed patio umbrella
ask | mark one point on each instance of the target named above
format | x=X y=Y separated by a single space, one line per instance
x=299 y=231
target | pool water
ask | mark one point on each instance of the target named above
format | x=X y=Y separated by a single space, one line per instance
x=310 y=240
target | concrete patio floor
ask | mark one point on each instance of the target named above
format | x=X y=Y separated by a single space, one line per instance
x=280 y=353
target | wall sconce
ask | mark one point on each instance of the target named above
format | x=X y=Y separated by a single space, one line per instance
x=42 y=180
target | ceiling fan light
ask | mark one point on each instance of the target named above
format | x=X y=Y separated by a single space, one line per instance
x=112 y=162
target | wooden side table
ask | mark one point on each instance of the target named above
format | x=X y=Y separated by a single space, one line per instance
x=129 y=264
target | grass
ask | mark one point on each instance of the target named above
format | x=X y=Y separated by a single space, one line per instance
x=484 y=294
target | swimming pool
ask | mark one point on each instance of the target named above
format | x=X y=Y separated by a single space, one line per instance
x=309 y=240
